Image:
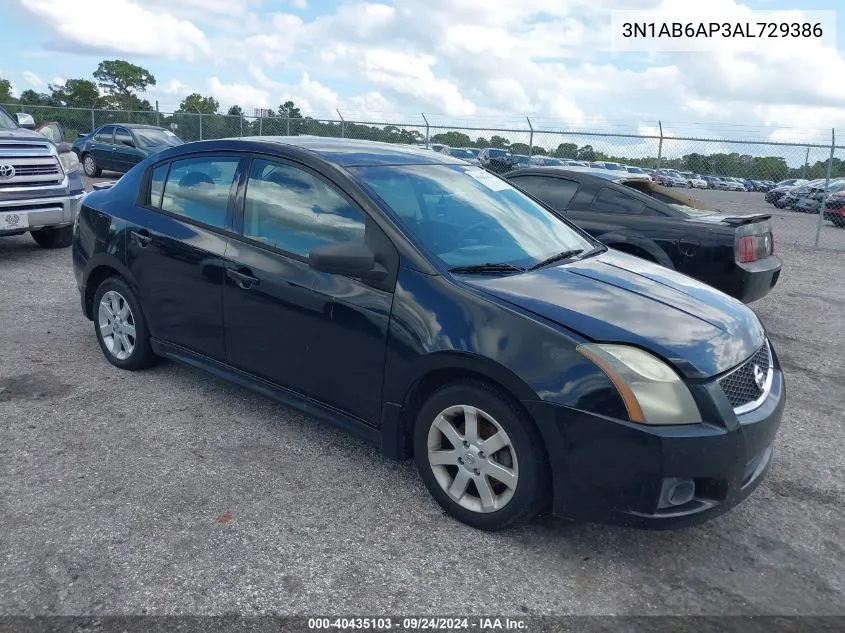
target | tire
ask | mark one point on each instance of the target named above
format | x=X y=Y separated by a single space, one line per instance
x=89 y=165
x=520 y=459
x=53 y=238
x=126 y=351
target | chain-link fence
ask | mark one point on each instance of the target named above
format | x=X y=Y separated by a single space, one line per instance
x=730 y=174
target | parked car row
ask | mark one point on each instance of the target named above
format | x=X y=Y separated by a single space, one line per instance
x=809 y=197
x=444 y=313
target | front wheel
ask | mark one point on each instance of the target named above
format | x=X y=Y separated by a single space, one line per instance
x=53 y=238
x=481 y=457
x=89 y=165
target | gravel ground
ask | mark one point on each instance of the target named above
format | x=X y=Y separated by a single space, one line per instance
x=169 y=492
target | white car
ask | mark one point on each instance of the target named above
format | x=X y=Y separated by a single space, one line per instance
x=697 y=182
x=734 y=185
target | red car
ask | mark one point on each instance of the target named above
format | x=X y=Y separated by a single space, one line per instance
x=834 y=208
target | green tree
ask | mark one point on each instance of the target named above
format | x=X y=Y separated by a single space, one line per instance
x=519 y=148
x=121 y=80
x=586 y=152
x=567 y=150
x=195 y=102
x=76 y=93
x=482 y=142
x=235 y=110
x=6 y=91
x=452 y=139
x=499 y=141
x=536 y=150
x=289 y=110
x=30 y=97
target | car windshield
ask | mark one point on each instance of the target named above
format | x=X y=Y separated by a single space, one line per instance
x=497 y=153
x=466 y=216
x=154 y=137
x=461 y=153
x=614 y=166
x=7 y=122
x=522 y=159
x=635 y=170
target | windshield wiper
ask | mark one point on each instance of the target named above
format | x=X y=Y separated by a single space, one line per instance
x=488 y=268
x=557 y=258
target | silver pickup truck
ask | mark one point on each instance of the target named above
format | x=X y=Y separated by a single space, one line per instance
x=41 y=186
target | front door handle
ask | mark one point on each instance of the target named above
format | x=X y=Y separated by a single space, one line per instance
x=142 y=237
x=243 y=277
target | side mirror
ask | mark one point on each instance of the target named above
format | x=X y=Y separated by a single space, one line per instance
x=81 y=135
x=353 y=259
x=25 y=120
x=64 y=147
x=128 y=143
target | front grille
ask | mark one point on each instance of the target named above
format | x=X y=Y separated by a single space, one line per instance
x=22 y=168
x=740 y=386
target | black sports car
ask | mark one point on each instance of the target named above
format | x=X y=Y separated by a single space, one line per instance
x=734 y=253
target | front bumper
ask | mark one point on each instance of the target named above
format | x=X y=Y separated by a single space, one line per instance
x=616 y=472
x=38 y=213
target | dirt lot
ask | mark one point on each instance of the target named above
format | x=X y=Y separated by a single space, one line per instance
x=116 y=488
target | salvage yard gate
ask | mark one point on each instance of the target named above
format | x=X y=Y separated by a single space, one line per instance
x=757 y=159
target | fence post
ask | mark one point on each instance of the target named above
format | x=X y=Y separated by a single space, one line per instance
x=660 y=145
x=530 y=137
x=92 y=120
x=342 y=123
x=826 y=184
x=242 y=124
x=806 y=163
x=261 y=124
x=426 y=129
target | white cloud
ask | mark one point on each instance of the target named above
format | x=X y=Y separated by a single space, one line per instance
x=32 y=79
x=242 y=94
x=497 y=60
x=146 y=32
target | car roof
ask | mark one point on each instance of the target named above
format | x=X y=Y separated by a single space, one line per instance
x=604 y=174
x=134 y=126
x=340 y=151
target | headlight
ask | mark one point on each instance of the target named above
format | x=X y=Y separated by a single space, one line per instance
x=652 y=391
x=69 y=162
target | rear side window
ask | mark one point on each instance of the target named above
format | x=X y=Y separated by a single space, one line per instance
x=105 y=135
x=555 y=192
x=611 y=201
x=199 y=188
x=289 y=209
x=157 y=184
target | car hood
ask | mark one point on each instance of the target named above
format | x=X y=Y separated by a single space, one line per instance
x=618 y=298
x=22 y=133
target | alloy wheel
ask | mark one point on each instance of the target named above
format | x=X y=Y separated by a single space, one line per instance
x=472 y=459
x=117 y=325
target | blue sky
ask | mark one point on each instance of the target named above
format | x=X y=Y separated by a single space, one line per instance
x=495 y=61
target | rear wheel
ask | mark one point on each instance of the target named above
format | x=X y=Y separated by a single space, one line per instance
x=481 y=457
x=53 y=238
x=89 y=165
x=120 y=326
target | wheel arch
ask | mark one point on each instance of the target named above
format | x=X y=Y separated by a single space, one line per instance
x=100 y=269
x=639 y=247
x=432 y=373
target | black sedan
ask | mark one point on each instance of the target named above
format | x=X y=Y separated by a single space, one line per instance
x=732 y=253
x=433 y=309
x=120 y=147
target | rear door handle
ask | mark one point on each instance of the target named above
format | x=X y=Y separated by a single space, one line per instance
x=141 y=236
x=243 y=277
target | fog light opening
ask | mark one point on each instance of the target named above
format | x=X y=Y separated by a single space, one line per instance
x=676 y=492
